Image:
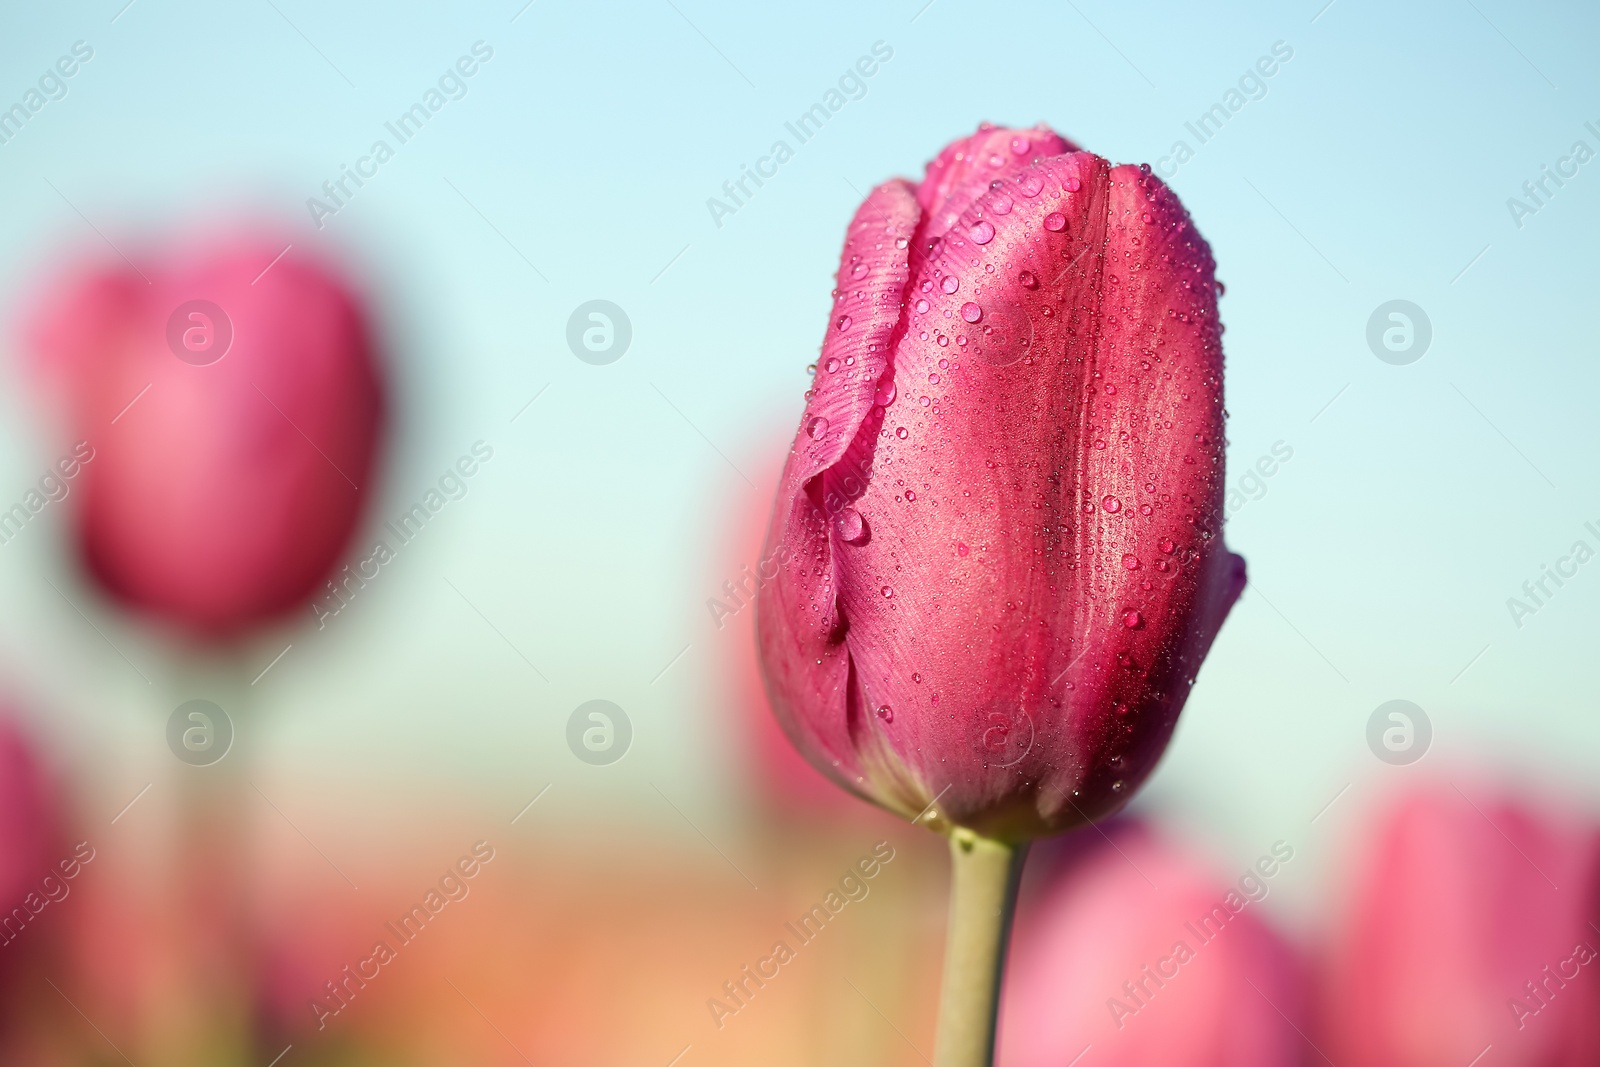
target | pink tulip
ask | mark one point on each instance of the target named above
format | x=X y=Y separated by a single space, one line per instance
x=29 y=835
x=227 y=444
x=1138 y=955
x=1002 y=512
x=1473 y=924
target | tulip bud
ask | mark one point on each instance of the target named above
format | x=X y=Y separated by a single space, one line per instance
x=228 y=405
x=1138 y=951
x=1472 y=924
x=29 y=830
x=1002 y=512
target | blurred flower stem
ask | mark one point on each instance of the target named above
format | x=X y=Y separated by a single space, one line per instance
x=216 y=1027
x=983 y=895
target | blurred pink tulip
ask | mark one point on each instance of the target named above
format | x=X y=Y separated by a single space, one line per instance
x=28 y=827
x=1472 y=925
x=1140 y=954
x=999 y=535
x=230 y=406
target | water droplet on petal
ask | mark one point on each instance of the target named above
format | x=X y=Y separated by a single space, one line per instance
x=1030 y=184
x=1019 y=146
x=816 y=428
x=902 y=433
x=1166 y=545
x=961 y=548
x=950 y=284
x=886 y=713
x=910 y=495
x=1055 y=222
x=982 y=232
x=1073 y=184
x=1133 y=620
x=1000 y=204
x=832 y=366
x=971 y=312
x=885 y=394
x=1130 y=561
x=1028 y=279
x=844 y=323
x=922 y=307
x=1111 y=504
x=851 y=526
x=887 y=592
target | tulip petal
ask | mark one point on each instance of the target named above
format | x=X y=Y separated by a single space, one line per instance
x=798 y=624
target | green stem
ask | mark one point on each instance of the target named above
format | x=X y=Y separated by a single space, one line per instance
x=983 y=892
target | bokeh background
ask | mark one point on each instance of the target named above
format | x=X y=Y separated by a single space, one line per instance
x=1377 y=165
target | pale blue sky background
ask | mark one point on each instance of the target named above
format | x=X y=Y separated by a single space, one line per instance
x=1377 y=166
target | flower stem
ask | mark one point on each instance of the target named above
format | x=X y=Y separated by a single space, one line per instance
x=983 y=892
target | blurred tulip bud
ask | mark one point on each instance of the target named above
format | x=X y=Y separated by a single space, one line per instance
x=1138 y=952
x=228 y=405
x=1472 y=924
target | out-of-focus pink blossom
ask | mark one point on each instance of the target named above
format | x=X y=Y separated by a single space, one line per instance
x=230 y=405
x=1472 y=924
x=1140 y=954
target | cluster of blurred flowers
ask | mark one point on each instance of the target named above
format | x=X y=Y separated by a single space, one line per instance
x=1464 y=931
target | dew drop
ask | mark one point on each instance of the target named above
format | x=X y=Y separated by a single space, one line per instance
x=961 y=548
x=886 y=713
x=843 y=323
x=1001 y=204
x=1055 y=222
x=950 y=284
x=902 y=433
x=1073 y=184
x=1111 y=504
x=982 y=232
x=832 y=366
x=910 y=495
x=885 y=394
x=887 y=592
x=1019 y=146
x=922 y=307
x=851 y=526
x=1130 y=561
x=1030 y=184
x=1133 y=620
x=971 y=312
x=1028 y=279
x=816 y=428
x=1166 y=545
